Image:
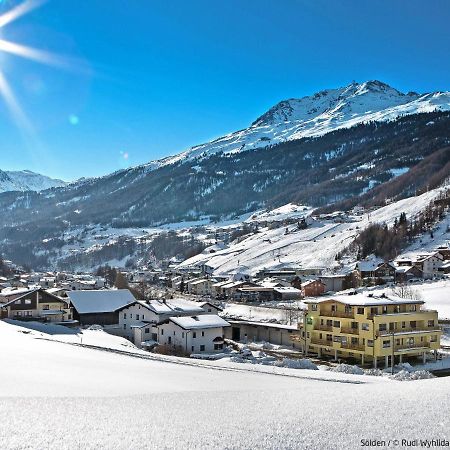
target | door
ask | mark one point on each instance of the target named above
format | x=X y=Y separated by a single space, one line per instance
x=236 y=334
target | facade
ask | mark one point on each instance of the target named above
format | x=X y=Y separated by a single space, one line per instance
x=370 y=329
x=36 y=305
x=313 y=288
x=194 y=334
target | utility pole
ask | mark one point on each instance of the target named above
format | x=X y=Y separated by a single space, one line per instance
x=393 y=353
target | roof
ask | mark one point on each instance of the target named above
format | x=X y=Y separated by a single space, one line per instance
x=287 y=290
x=366 y=300
x=264 y=324
x=199 y=322
x=171 y=306
x=86 y=302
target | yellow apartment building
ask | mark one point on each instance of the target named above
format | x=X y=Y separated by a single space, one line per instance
x=369 y=328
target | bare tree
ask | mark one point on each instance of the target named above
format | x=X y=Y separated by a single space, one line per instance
x=405 y=291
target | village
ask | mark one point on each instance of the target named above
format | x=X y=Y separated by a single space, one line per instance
x=371 y=316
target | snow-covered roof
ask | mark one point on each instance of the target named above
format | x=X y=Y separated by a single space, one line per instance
x=365 y=300
x=198 y=322
x=175 y=305
x=86 y=302
x=287 y=290
x=265 y=324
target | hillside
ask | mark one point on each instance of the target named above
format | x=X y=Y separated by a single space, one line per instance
x=362 y=144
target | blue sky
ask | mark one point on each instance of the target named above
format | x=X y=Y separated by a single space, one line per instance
x=155 y=77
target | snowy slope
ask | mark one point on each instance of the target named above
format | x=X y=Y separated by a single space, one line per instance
x=103 y=400
x=25 y=180
x=315 y=246
x=317 y=115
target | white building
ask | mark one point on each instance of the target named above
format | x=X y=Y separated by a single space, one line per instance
x=194 y=334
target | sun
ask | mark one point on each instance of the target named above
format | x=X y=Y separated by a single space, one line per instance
x=23 y=51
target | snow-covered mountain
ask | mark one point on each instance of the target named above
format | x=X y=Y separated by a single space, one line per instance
x=317 y=115
x=25 y=180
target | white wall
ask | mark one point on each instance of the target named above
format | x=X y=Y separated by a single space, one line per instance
x=133 y=315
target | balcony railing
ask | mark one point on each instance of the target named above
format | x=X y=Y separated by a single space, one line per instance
x=349 y=330
x=349 y=346
x=321 y=342
x=323 y=328
x=342 y=314
x=414 y=345
x=406 y=330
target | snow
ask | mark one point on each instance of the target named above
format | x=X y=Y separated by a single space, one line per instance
x=92 y=301
x=315 y=246
x=26 y=180
x=316 y=115
x=117 y=401
x=200 y=322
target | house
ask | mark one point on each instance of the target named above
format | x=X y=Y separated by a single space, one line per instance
x=201 y=286
x=405 y=273
x=210 y=307
x=385 y=270
x=194 y=334
x=428 y=263
x=371 y=329
x=375 y=268
x=99 y=307
x=138 y=320
x=287 y=293
x=444 y=252
x=335 y=283
x=254 y=294
x=313 y=288
x=35 y=304
x=445 y=268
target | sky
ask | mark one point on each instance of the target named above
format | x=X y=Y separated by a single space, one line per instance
x=137 y=80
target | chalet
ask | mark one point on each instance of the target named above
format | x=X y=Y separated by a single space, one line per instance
x=428 y=263
x=404 y=274
x=35 y=304
x=286 y=293
x=99 y=307
x=313 y=288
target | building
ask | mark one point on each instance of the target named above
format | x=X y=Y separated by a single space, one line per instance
x=313 y=288
x=194 y=334
x=35 y=304
x=138 y=321
x=403 y=274
x=252 y=331
x=99 y=307
x=370 y=329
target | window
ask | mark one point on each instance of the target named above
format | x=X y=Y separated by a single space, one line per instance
x=143 y=317
x=162 y=331
x=131 y=316
x=29 y=313
x=314 y=307
x=403 y=324
x=174 y=333
x=203 y=333
x=27 y=301
x=382 y=327
x=337 y=339
x=192 y=348
x=431 y=323
x=194 y=335
x=411 y=341
x=218 y=346
x=137 y=316
x=373 y=311
x=202 y=348
x=348 y=309
x=370 y=342
x=209 y=310
x=307 y=334
x=182 y=334
x=433 y=338
x=413 y=324
x=309 y=320
x=329 y=323
x=385 y=309
x=387 y=343
x=360 y=311
x=46 y=307
x=365 y=327
x=124 y=315
x=329 y=337
x=333 y=308
x=413 y=308
x=19 y=313
x=336 y=323
x=147 y=331
x=124 y=326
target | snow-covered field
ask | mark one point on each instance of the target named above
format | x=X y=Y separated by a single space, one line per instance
x=57 y=395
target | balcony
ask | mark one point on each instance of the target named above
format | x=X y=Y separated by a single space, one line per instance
x=349 y=346
x=323 y=328
x=349 y=330
x=341 y=314
x=407 y=330
x=412 y=346
x=321 y=342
